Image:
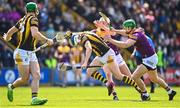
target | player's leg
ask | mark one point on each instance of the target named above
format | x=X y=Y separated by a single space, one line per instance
x=92 y=72
x=138 y=73
x=64 y=78
x=123 y=66
x=77 y=76
x=110 y=80
x=114 y=68
x=24 y=76
x=124 y=69
x=22 y=80
x=152 y=87
x=96 y=75
x=20 y=57
x=35 y=72
x=156 y=79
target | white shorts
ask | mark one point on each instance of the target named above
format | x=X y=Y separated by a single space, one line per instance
x=151 y=61
x=119 y=59
x=106 y=56
x=24 y=57
x=77 y=65
x=59 y=65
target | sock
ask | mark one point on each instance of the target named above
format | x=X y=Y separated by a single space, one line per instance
x=145 y=93
x=96 y=75
x=152 y=86
x=131 y=82
x=114 y=93
x=34 y=95
x=168 y=89
x=12 y=86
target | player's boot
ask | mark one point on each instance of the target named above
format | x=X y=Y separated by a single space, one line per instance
x=10 y=93
x=171 y=96
x=37 y=101
x=145 y=98
x=115 y=98
x=110 y=86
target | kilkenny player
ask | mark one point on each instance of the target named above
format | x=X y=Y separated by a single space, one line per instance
x=105 y=56
x=121 y=63
x=149 y=61
x=27 y=62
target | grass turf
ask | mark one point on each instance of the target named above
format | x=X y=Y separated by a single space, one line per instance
x=88 y=97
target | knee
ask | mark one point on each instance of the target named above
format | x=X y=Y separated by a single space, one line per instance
x=118 y=76
x=25 y=80
x=134 y=77
x=36 y=76
x=155 y=79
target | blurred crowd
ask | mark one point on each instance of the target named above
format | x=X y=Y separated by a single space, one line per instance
x=159 y=18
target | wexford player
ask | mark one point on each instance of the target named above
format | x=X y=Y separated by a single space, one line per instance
x=149 y=56
x=27 y=63
x=139 y=58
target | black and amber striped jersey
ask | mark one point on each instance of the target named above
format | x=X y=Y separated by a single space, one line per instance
x=26 y=40
x=99 y=47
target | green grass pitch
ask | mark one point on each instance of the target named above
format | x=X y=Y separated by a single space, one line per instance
x=88 y=97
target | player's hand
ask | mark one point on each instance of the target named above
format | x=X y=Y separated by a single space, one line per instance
x=84 y=65
x=109 y=32
x=132 y=56
x=6 y=38
x=100 y=24
x=68 y=34
x=113 y=29
x=139 y=29
x=50 y=42
x=107 y=37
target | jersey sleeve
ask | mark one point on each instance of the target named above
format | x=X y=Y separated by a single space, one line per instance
x=34 y=22
x=83 y=40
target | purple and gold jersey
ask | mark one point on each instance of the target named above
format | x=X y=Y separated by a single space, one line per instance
x=142 y=45
x=64 y=51
x=112 y=46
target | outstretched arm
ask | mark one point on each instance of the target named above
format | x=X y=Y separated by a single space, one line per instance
x=120 y=31
x=36 y=34
x=8 y=35
x=121 y=44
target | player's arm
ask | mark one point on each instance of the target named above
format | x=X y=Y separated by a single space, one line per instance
x=87 y=53
x=36 y=34
x=82 y=57
x=9 y=34
x=120 y=31
x=122 y=44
